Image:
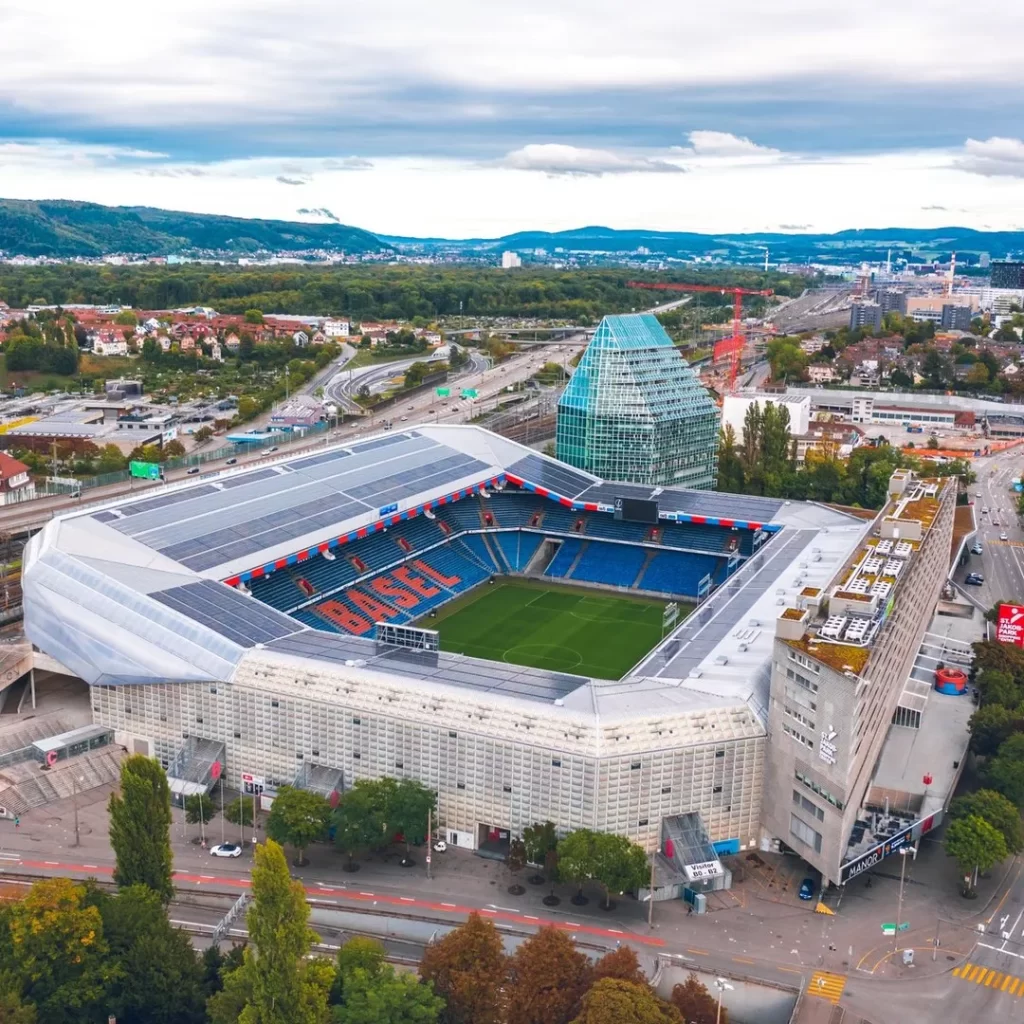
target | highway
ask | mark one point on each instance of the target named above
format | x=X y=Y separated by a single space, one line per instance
x=1002 y=562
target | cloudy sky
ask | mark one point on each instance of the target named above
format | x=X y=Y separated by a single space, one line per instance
x=469 y=118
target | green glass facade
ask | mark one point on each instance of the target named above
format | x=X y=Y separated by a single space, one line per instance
x=635 y=412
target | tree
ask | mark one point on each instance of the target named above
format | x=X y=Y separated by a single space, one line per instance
x=613 y=1001
x=577 y=857
x=298 y=818
x=788 y=361
x=408 y=811
x=359 y=820
x=936 y=370
x=414 y=374
x=199 y=808
x=202 y=435
x=254 y=316
x=1005 y=772
x=239 y=811
x=899 y=378
x=976 y=845
x=933 y=441
x=160 y=980
x=538 y=840
x=140 y=826
x=14 y=1010
x=990 y=726
x=55 y=952
x=547 y=977
x=467 y=969
x=621 y=963
x=620 y=865
x=696 y=1004
x=994 y=808
x=247 y=408
x=111 y=460
x=371 y=992
x=515 y=861
x=998 y=688
x=730 y=468
x=126 y=318
x=173 y=450
x=978 y=375
x=282 y=986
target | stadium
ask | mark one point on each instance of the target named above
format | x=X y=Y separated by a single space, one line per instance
x=444 y=604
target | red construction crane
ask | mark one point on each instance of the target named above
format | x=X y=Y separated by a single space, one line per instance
x=727 y=348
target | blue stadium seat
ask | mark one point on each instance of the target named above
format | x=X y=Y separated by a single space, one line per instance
x=614 y=564
x=601 y=524
x=678 y=573
x=518 y=547
x=564 y=557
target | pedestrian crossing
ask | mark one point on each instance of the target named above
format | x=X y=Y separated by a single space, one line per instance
x=826 y=986
x=990 y=978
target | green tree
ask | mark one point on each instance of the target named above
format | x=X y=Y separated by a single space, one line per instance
x=55 y=955
x=160 y=980
x=414 y=374
x=298 y=818
x=467 y=969
x=254 y=316
x=751 y=449
x=613 y=1001
x=976 y=845
x=371 y=992
x=239 y=811
x=696 y=1004
x=199 y=808
x=126 y=318
x=730 y=466
x=577 y=857
x=788 y=361
x=140 y=826
x=111 y=460
x=998 y=688
x=13 y=1009
x=202 y=435
x=407 y=814
x=538 y=839
x=173 y=450
x=620 y=865
x=990 y=726
x=247 y=408
x=994 y=808
x=359 y=821
x=1005 y=772
x=281 y=985
x=547 y=977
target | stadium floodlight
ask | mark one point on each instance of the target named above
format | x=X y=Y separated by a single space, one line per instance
x=429 y=514
x=329 y=555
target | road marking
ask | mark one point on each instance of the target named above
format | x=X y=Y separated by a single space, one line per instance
x=697 y=952
x=574 y=924
x=976 y=973
x=1013 y=987
x=965 y=968
x=406 y=899
x=1006 y=982
x=742 y=960
x=447 y=904
x=990 y=978
x=366 y=894
x=93 y=866
x=50 y=863
x=530 y=917
x=485 y=910
x=207 y=876
x=617 y=931
x=826 y=986
x=790 y=970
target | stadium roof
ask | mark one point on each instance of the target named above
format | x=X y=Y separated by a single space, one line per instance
x=132 y=592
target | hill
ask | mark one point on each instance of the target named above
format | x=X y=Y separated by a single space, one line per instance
x=846 y=246
x=61 y=228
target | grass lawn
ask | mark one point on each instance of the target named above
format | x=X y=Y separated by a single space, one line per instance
x=367 y=357
x=564 y=629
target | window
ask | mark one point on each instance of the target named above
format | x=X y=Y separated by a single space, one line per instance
x=804 y=833
x=452 y=735
x=808 y=805
x=399 y=764
x=357 y=721
x=665 y=790
x=641 y=822
x=555 y=763
x=274 y=704
x=635 y=766
x=507 y=789
x=357 y=755
x=460 y=785
x=717 y=789
x=199 y=719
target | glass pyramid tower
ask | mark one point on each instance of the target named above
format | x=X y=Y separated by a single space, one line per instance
x=635 y=412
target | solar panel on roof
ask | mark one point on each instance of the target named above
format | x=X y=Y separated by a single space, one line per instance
x=165 y=500
x=104 y=517
x=247 y=478
x=227 y=612
x=560 y=479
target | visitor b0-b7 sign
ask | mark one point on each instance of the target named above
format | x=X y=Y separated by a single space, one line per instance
x=1010 y=624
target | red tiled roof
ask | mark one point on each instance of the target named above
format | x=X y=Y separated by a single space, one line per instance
x=10 y=466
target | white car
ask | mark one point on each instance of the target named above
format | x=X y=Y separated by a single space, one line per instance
x=440 y=846
x=1003 y=536
x=984 y=510
x=226 y=850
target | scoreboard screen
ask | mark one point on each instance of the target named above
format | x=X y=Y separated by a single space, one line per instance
x=636 y=510
x=408 y=636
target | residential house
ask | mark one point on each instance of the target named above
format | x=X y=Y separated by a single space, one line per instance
x=187 y=343
x=215 y=351
x=164 y=342
x=336 y=328
x=232 y=342
x=812 y=346
x=319 y=338
x=821 y=373
x=15 y=484
x=109 y=343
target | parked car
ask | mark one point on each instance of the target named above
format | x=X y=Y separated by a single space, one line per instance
x=974 y=579
x=230 y=462
x=977 y=549
x=193 y=470
x=984 y=510
x=226 y=850
x=1003 y=536
x=807 y=889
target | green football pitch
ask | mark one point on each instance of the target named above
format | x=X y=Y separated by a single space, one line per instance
x=565 y=629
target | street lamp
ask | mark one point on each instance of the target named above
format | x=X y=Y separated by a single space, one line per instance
x=75 y=780
x=904 y=850
x=723 y=986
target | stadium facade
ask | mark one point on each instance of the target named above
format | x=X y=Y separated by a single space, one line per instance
x=233 y=618
x=634 y=410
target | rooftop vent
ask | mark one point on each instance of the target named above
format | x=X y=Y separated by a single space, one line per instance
x=722 y=659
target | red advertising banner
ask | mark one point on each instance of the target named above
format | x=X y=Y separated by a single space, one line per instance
x=1010 y=625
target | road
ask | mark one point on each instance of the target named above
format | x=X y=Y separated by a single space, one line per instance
x=1002 y=562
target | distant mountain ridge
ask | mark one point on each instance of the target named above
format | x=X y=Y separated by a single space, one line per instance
x=847 y=245
x=62 y=228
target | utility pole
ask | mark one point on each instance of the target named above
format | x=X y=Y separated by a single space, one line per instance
x=74 y=791
x=899 y=905
x=430 y=837
x=650 y=893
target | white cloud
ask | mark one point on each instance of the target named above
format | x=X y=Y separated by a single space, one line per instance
x=555 y=159
x=723 y=144
x=994 y=157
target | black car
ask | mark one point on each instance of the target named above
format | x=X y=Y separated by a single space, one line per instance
x=974 y=579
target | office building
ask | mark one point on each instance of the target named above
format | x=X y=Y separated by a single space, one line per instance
x=510 y=260
x=891 y=300
x=635 y=411
x=843 y=773
x=865 y=315
x=956 y=318
x=1007 y=274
